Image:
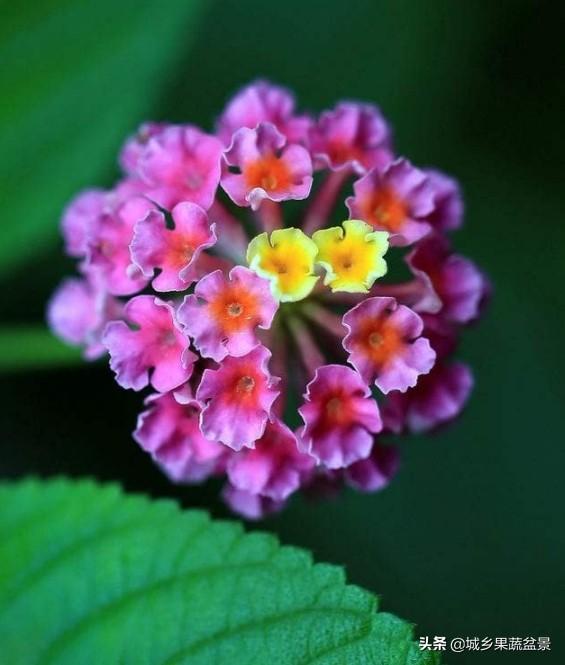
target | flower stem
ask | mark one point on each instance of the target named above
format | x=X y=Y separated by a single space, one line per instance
x=324 y=201
x=324 y=318
x=270 y=215
x=232 y=239
x=310 y=354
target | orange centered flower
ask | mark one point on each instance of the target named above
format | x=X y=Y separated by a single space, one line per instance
x=385 y=209
x=338 y=410
x=340 y=152
x=243 y=388
x=268 y=172
x=235 y=310
x=380 y=340
x=182 y=250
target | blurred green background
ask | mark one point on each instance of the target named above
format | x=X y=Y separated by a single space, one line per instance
x=469 y=539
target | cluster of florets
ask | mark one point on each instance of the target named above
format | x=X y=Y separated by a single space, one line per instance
x=274 y=349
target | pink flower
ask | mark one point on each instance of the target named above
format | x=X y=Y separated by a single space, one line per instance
x=238 y=397
x=438 y=398
x=274 y=468
x=268 y=167
x=135 y=145
x=80 y=217
x=153 y=352
x=248 y=505
x=108 y=257
x=263 y=102
x=224 y=312
x=175 y=252
x=441 y=333
x=375 y=472
x=448 y=202
x=78 y=312
x=458 y=283
x=181 y=163
x=170 y=431
x=340 y=417
x=351 y=136
x=397 y=199
x=385 y=345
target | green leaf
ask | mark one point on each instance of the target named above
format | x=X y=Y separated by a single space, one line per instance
x=76 y=78
x=33 y=347
x=88 y=575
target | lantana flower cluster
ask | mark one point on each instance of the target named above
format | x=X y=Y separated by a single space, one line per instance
x=239 y=278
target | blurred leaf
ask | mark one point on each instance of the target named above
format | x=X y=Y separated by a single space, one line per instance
x=33 y=347
x=90 y=575
x=76 y=78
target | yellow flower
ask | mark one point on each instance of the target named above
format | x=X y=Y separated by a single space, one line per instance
x=286 y=259
x=352 y=255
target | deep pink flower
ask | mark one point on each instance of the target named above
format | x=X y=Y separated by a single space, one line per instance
x=238 y=397
x=135 y=145
x=78 y=312
x=458 y=283
x=263 y=102
x=375 y=472
x=385 y=344
x=438 y=398
x=340 y=417
x=175 y=252
x=170 y=431
x=108 y=259
x=397 y=199
x=442 y=334
x=251 y=506
x=274 y=468
x=351 y=136
x=448 y=202
x=269 y=168
x=80 y=217
x=154 y=351
x=224 y=312
x=181 y=163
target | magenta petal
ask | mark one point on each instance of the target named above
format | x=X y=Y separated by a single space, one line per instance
x=274 y=467
x=108 y=259
x=397 y=199
x=238 y=397
x=438 y=398
x=78 y=312
x=375 y=472
x=224 y=312
x=175 y=252
x=259 y=102
x=441 y=333
x=80 y=218
x=155 y=353
x=181 y=163
x=170 y=432
x=353 y=136
x=458 y=283
x=384 y=344
x=267 y=171
x=340 y=417
x=250 y=506
x=135 y=145
x=448 y=202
